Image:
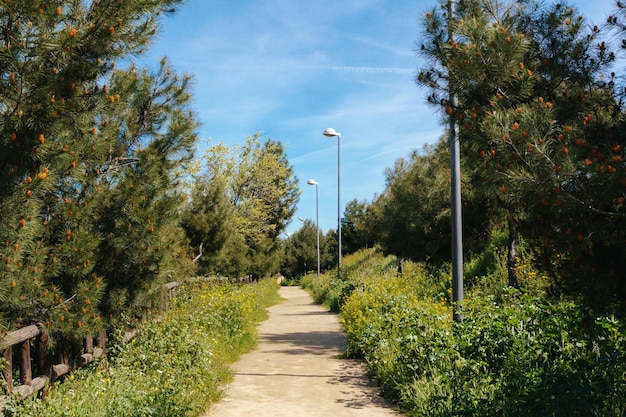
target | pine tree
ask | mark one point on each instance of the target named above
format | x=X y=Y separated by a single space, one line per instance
x=70 y=148
x=542 y=129
x=151 y=138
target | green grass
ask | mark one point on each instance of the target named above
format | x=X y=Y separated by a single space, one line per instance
x=175 y=367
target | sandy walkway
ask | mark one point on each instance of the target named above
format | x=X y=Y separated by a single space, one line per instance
x=295 y=370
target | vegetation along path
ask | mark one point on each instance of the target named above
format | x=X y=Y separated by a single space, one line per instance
x=296 y=369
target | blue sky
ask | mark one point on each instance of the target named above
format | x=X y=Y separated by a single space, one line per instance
x=292 y=68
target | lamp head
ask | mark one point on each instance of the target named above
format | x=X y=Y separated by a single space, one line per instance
x=331 y=132
x=311 y=182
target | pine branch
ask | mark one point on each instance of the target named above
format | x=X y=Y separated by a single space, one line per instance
x=119 y=163
x=610 y=214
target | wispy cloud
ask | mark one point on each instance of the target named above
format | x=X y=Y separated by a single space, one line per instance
x=292 y=69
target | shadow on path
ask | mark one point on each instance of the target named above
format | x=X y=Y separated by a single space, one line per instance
x=297 y=343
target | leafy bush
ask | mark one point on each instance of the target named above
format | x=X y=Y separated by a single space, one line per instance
x=174 y=367
x=516 y=353
x=528 y=356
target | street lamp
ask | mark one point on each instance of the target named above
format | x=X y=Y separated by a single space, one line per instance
x=317 y=223
x=455 y=195
x=330 y=132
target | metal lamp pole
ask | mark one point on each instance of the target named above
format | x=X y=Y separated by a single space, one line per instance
x=330 y=132
x=317 y=223
x=455 y=195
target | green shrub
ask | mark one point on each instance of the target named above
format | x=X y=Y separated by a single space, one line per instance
x=517 y=353
x=175 y=366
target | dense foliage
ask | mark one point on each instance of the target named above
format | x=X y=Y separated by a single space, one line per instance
x=97 y=205
x=89 y=155
x=541 y=126
x=176 y=365
x=517 y=353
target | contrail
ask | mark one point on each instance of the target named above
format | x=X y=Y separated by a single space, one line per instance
x=375 y=70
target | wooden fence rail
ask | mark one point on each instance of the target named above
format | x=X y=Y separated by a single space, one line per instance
x=32 y=337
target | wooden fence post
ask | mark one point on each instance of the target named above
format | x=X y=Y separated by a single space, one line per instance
x=42 y=353
x=44 y=361
x=170 y=286
x=26 y=373
x=101 y=340
x=89 y=344
x=8 y=369
x=19 y=337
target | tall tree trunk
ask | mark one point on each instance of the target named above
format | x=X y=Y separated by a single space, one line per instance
x=510 y=262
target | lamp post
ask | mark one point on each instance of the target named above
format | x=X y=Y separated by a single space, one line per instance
x=455 y=195
x=330 y=132
x=317 y=224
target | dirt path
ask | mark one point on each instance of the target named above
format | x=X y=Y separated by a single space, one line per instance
x=295 y=370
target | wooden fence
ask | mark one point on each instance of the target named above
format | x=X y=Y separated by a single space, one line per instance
x=31 y=338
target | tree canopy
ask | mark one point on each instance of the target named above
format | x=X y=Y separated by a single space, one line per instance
x=240 y=204
x=97 y=210
x=541 y=129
